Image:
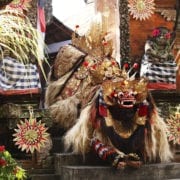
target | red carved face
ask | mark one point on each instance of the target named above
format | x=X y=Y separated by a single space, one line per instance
x=126 y=99
x=125 y=93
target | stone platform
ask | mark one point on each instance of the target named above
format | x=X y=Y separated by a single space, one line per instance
x=68 y=166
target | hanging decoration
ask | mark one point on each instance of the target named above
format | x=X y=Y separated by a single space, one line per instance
x=174 y=128
x=141 y=9
x=31 y=134
x=20 y=5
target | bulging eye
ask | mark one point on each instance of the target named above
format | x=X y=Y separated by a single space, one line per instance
x=132 y=93
x=120 y=94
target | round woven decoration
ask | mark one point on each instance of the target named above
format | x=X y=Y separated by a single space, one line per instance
x=141 y=9
x=173 y=123
x=30 y=135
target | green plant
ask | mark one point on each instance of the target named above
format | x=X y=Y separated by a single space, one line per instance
x=9 y=168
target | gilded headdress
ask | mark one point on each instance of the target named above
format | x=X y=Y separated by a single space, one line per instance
x=97 y=41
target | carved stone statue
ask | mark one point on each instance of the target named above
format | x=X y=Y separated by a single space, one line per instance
x=158 y=48
x=158 y=63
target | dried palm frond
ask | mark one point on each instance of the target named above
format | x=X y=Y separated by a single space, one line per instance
x=19 y=38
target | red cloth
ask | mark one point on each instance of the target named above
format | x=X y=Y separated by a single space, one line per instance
x=102 y=111
x=41 y=19
x=161 y=86
x=19 y=92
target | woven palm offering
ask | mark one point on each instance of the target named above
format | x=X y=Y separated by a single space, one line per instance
x=19 y=39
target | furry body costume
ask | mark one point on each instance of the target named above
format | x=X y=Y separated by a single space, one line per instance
x=103 y=109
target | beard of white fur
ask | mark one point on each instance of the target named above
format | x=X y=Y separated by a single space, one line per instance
x=54 y=88
x=159 y=147
x=78 y=137
x=65 y=112
x=156 y=147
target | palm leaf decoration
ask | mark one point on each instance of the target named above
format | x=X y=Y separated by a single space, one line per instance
x=19 y=38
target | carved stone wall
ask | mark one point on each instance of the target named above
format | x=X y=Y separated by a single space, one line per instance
x=124 y=30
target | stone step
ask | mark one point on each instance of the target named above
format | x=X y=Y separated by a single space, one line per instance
x=58 y=145
x=45 y=177
x=41 y=171
x=41 y=174
x=148 y=172
x=70 y=159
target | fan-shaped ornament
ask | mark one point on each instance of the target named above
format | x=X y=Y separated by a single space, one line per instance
x=141 y=9
x=30 y=135
x=173 y=123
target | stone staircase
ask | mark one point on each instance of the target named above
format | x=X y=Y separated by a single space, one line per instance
x=68 y=166
x=43 y=174
x=148 y=172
